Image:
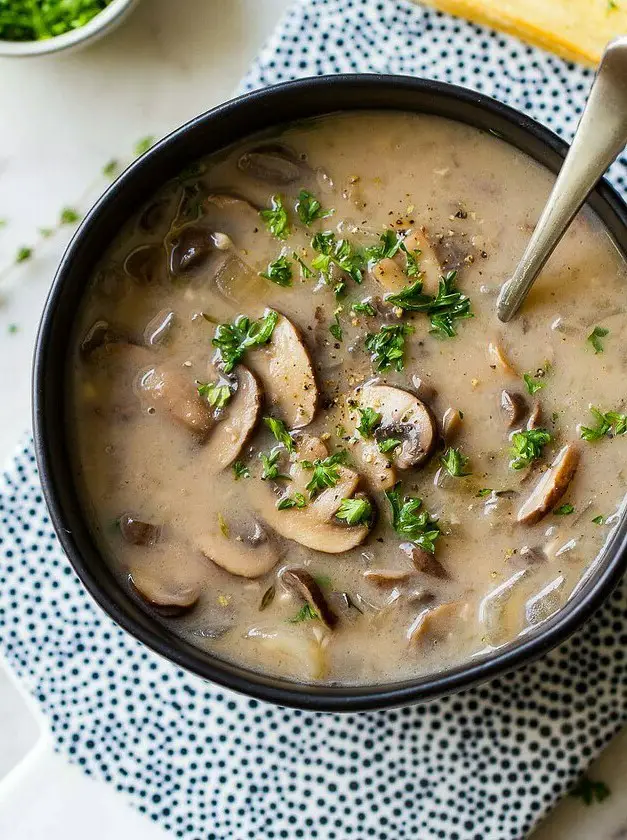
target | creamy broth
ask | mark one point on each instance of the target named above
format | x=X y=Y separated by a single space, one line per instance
x=263 y=572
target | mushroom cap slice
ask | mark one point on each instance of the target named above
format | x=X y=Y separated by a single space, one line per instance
x=304 y=585
x=375 y=466
x=405 y=417
x=438 y=621
x=286 y=371
x=230 y=433
x=327 y=503
x=248 y=550
x=388 y=273
x=168 y=388
x=430 y=267
x=514 y=407
x=167 y=596
x=423 y=561
x=137 y=532
x=551 y=486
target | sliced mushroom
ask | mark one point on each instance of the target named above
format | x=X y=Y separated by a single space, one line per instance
x=272 y=163
x=189 y=248
x=514 y=407
x=387 y=577
x=144 y=262
x=375 y=465
x=498 y=360
x=437 y=621
x=114 y=366
x=451 y=424
x=285 y=369
x=389 y=274
x=430 y=267
x=551 y=487
x=153 y=215
x=233 y=429
x=327 y=502
x=535 y=416
x=424 y=561
x=168 y=597
x=291 y=648
x=242 y=547
x=99 y=334
x=304 y=585
x=137 y=532
x=405 y=417
x=168 y=388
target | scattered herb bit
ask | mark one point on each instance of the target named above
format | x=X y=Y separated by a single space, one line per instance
x=325 y=472
x=223 y=600
x=564 y=510
x=270 y=464
x=355 y=511
x=340 y=431
x=336 y=329
x=388 y=247
x=46 y=232
x=24 y=253
x=411 y=522
x=599 y=520
x=267 y=598
x=110 y=169
x=338 y=251
x=142 y=146
x=612 y=5
x=595 y=338
x=240 y=470
x=309 y=208
x=305 y=613
x=610 y=423
x=369 y=419
x=448 y=306
x=590 y=791
x=276 y=219
x=527 y=447
x=24 y=20
x=69 y=216
x=287 y=502
x=216 y=395
x=532 y=384
x=455 y=463
x=232 y=340
x=485 y=491
x=12 y=329
x=363 y=308
x=280 y=432
x=411 y=298
x=3 y=223
x=223 y=525
x=388 y=346
x=279 y=271
x=412 y=266
x=305 y=270
x=388 y=445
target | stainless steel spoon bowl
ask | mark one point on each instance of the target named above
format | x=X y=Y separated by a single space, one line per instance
x=600 y=137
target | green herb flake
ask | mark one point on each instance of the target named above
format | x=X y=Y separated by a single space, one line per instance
x=279 y=271
x=369 y=419
x=69 y=216
x=564 y=510
x=389 y=445
x=24 y=253
x=388 y=247
x=595 y=338
x=46 y=232
x=387 y=347
x=590 y=791
x=448 y=306
x=233 y=340
x=533 y=385
x=306 y=272
x=240 y=470
x=276 y=218
x=142 y=146
x=339 y=252
x=216 y=395
x=363 y=308
x=356 y=511
x=336 y=329
x=224 y=528
x=599 y=520
x=412 y=264
x=455 y=463
x=527 y=447
x=410 y=520
x=109 y=170
x=610 y=423
x=325 y=472
x=270 y=465
x=309 y=208
x=295 y=501
x=280 y=432
x=305 y=613
x=485 y=491
x=323 y=581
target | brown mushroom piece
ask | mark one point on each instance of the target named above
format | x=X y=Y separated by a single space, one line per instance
x=430 y=266
x=242 y=547
x=287 y=375
x=189 y=248
x=535 y=416
x=438 y=621
x=99 y=334
x=514 y=407
x=168 y=597
x=423 y=561
x=166 y=387
x=305 y=586
x=144 y=262
x=404 y=417
x=232 y=430
x=551 y=486
x=451 y=424
x=137 y=532
x=387 y=577
x=272 y=163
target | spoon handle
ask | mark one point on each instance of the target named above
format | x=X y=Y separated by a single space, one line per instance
x=601 y=136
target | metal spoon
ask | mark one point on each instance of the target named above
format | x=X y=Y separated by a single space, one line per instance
x=601 y=136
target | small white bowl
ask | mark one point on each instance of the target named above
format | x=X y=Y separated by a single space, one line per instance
x=103 y=23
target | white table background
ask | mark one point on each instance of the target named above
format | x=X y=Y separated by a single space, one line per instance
x=61 y=119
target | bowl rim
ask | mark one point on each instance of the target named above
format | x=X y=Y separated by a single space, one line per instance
x=68 y=517
x=109 y=16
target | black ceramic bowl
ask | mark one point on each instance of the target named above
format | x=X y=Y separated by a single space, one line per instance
x=212 y=131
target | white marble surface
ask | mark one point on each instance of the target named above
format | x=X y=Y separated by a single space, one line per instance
x=61 y=119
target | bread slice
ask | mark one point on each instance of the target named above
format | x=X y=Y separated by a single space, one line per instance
x=577 y=30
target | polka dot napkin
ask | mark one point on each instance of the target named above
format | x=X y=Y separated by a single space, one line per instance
x=484 y=765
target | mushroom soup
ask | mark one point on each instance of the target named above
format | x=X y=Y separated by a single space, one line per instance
x=303 y=439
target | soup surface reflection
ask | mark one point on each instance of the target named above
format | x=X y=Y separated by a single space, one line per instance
x=303 y=439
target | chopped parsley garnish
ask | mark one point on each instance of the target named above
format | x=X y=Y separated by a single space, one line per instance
x=305 y=613
x=233 y=340
x=595 y=338
x=24 y=253
x=270 y=464
x=564 y=510
x=305 y=270
x=295 y=501
x=309 y=208
x=355 y=511
x=412 y=266
x=599 y=520
x=142 y=146
x=388 y=247
x=387 y=347
x=279 y=271
x=485 y=491
x=369 y=419
x=448 y=306
x=110 y=168
x=590 y=791
x=411 y=298
x=69 y=216
x=455 y=463
x=276 y=219
x=280 y=432
x=339 y=252
x=325 y=472
x=527 y=447
x=363 y=308
x=223 y=525
x=410 y=521
x=610 y=423
x=388 y=445
x=240 y=470
x=336 y=329
x=532 y=384
x=216 y=395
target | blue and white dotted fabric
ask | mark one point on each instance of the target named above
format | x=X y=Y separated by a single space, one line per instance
x=211 y=765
